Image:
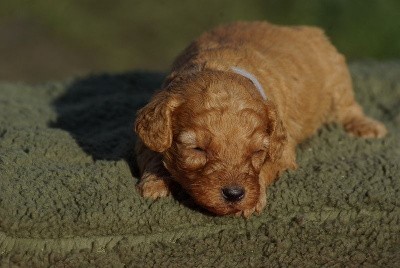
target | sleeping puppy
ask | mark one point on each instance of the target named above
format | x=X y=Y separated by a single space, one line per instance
x=237 y=102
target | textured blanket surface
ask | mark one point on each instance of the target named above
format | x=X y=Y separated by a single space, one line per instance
x=68 y=198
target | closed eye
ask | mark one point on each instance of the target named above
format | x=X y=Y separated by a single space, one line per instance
x=199 y=149
x=258 y=152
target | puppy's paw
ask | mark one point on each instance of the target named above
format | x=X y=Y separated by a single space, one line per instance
x=366 y=127
x=153 y=186
x=256 y=209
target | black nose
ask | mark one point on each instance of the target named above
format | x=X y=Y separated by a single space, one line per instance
x=233 y=193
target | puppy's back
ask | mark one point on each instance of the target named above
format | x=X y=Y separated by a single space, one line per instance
x=292 y=64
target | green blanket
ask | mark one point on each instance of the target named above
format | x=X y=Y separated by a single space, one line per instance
x=68 y=198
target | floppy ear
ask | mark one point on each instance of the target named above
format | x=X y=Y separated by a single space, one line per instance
x=153 y=122
x=276 y=132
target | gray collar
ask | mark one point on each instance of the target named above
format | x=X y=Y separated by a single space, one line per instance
x=252 y=78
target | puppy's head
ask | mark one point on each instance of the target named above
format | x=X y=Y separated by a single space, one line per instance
x=214 y=134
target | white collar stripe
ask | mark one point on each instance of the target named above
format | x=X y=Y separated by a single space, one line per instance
x=252 y=78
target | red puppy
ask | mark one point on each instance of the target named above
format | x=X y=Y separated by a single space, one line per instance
x=237 y=102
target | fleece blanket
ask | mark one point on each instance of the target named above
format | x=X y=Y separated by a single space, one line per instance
x=68 y=198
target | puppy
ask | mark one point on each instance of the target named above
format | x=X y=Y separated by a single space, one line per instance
x=237 y=102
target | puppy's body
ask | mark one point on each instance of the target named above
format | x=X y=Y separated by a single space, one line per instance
x=214 y=131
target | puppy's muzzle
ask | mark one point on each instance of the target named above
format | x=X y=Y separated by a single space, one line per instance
x=233 y=193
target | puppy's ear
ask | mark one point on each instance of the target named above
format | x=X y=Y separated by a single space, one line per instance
x=154 y=123
x=276 y=132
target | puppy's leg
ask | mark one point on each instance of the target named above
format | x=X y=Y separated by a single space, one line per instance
x=347 y=111
x=155 y=179
x=356 y=123
x=271 y=170
x=262 y=201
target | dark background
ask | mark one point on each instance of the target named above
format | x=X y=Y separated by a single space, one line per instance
x=55 y=39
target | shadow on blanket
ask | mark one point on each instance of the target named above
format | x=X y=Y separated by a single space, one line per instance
x=103 y=126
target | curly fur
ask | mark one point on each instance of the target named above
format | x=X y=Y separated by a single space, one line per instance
x=209 y=127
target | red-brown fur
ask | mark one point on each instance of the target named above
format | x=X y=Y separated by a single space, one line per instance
x=209 y=127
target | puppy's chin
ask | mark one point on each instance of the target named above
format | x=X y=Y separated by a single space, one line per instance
x=213 y=201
